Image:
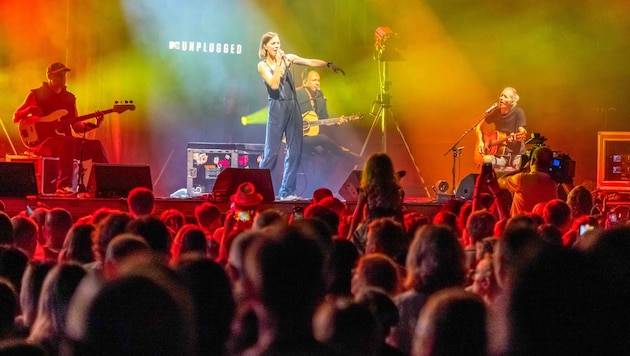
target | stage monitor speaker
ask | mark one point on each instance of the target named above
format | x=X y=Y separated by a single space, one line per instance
x=117 y=180
x=466 y=187
x=228 y=181
x=17 y=179
x=350 y=188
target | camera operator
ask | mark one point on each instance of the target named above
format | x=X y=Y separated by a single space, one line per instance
x=533 y=187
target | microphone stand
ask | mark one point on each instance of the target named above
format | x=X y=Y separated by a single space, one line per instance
x=80 y=185
x=457 y=151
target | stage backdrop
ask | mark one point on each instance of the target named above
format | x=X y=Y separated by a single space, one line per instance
x=190 y=69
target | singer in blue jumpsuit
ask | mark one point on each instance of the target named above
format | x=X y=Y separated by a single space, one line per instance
x=284 y=111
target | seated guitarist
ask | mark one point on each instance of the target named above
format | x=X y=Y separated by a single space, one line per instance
x=59 y=142
x=312 y=99
x=510 y=123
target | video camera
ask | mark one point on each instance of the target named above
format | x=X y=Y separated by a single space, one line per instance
x=562 y=168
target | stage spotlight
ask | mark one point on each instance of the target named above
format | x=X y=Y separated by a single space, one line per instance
x=441 y=186
x=386 y=45
x=256 y=118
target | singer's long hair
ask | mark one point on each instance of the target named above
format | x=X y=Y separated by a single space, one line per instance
x=262 y=52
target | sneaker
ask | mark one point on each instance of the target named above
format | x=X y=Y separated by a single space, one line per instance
x=291 y=197
x=64 y=191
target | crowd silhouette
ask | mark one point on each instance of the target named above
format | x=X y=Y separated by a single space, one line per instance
x=377 y=280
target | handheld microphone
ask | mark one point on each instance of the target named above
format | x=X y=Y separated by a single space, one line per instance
x=494 y=106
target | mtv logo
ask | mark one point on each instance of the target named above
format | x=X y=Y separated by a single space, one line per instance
x=174 y=44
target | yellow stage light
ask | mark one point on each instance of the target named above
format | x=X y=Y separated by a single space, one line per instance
x=256 y=118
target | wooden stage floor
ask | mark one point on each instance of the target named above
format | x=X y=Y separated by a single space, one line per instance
x=80 y=207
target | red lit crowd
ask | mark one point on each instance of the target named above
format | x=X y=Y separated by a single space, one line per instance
x=378 y=280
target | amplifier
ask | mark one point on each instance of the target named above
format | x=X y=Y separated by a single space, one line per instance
x=206 y=160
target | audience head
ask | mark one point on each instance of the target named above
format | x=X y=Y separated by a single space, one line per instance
x=480 y=225
x=558 y=214
x=56 y=225
x=448 y=219
x=349 y=328
x=246 y=197
x=542 y=158
x=32 y=282
x=269 y=221
x=154 y=231
x=550 y=234
x=378 y=171
x=338 y=270
x=375 y=271
x=518 y=244
x=484 y=282
x=121 y=248
x=8 y=308
x=24 y=234
x=325 y=215
x=111 y=226
x=321 y=193
x=137 y=315
x=173 y=219
x=208 y=216
x=452 y=322
x=383 y=308
x=580 y=200
x=413 y=221
x=13 y=263
x=189 y=239
x=435 y=260
x=287 y=277
x=214 y=304
x=77 y=246
x=386 y=235
x=6 y=229
x=334 y=204
x=57 y=290
x=141 y=202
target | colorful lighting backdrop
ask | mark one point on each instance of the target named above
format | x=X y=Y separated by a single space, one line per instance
x=190 y=68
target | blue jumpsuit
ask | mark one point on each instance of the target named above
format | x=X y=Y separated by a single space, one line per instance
x=284 y=118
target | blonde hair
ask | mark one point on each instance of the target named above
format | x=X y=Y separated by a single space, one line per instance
x=262 y=52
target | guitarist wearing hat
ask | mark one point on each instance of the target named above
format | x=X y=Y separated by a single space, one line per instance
x=50 y=137
x=506 y=144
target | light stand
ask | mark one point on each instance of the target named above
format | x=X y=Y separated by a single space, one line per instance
x=384 y=111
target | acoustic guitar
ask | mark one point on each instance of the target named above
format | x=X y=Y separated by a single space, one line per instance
x=495 y=143
x=35 y=130
x=311 y=123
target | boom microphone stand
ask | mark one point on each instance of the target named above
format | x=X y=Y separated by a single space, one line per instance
x=457 y=151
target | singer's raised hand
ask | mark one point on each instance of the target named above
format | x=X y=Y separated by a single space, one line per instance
x=336 y=69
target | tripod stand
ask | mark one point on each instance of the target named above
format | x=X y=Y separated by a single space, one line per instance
x=384 y=112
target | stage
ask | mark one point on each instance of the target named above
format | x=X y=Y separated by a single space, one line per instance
x=80 y=207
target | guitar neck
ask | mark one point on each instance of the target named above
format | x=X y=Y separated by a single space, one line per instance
x=88 y=116
x=326 y=121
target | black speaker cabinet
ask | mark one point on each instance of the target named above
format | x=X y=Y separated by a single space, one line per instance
x=17 y=179
x=466 y=187
x=117 y=180
x=228 y=181
x=350 y=188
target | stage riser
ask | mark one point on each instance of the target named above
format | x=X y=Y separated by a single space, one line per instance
x=86 y=206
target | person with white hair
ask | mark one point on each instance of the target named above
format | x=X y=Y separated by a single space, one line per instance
x=505 y=145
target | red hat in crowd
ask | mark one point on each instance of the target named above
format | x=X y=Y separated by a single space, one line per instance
x=246 y=196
